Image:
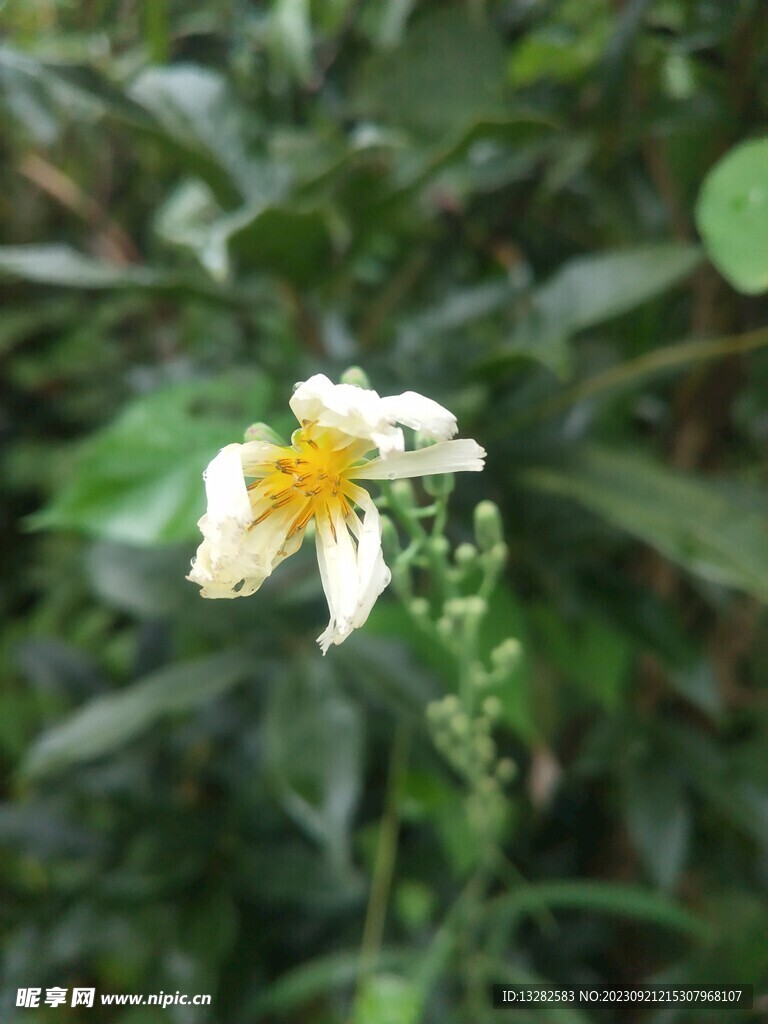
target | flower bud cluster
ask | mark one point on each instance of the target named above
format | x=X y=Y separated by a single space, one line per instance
x=467 y=743
x=461 y=585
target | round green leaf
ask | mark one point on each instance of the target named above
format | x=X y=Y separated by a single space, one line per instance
x=732 y=216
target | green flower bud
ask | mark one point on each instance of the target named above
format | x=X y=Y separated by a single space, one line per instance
x=263 y=432
x=455 y=608
x=451 y=704
x=486 y=749
x=478 y=677
x=489 y=528
x=440 y=485
x=402 y=494
x=496 y=557
x=439 y=546
x=492 y=707
x=355 y=376
x=445 y=628
x=460 y=723
x=489 y=785
x=419 y=608
x=435 y=710
x=475 y=607
x=506 y=657
x=466 y=555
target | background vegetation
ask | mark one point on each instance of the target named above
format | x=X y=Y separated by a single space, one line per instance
x=499 y=204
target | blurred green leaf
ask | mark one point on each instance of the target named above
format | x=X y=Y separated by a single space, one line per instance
x=567 y=45
x=108 y=722
x=189 y=109
x=692 y=522
x=294 y=874
x=732 y=216
x=69 y=88
x=291 y=33
x=290 y=242
x=447 y=70
x=140 y=580
x=314 y=739
x=591 y=289
x=139 y=480
x=602 y=898
x=658 y=816
x=589 y=652
x=60 y=264
x=305 y=983
x=196 y=109
x=287 y=242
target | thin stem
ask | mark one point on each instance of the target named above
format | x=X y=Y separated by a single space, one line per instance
x=668 y=358
x=384 y=866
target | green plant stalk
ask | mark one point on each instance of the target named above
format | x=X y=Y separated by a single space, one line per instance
x=156 y=29
x=409 y=519
x=669 y=358
x=384 y=865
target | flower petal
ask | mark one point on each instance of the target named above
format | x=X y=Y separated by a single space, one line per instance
x=359 y=412
x=345 y=407
x=259 y=457
x=353 y=573
x=420 y=413
x=225 y=487
x=237 y=554
x=464 y=455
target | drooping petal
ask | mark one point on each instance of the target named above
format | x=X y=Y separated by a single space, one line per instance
x=373 y=574
x=362 y=413
x=237 y=554
x=353 y=572
x=420 y=413
x=464 y=455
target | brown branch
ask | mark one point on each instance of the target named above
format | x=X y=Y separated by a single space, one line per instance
x=112 y=240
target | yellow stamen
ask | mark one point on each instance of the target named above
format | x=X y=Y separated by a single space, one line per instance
x=301 y=520
x=261 y=518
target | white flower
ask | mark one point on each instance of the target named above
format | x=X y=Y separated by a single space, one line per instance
x=262 y=496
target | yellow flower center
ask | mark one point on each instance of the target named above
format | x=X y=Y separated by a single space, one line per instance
x=309 y=478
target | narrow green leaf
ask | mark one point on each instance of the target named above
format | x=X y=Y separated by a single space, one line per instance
x=316 y=978
x=591 y=289
x=61 y=265
x=709 y=530
x=602 y=898
x=106 y=723
x=658 y=818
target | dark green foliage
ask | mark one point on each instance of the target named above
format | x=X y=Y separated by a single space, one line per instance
x=493 y=203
